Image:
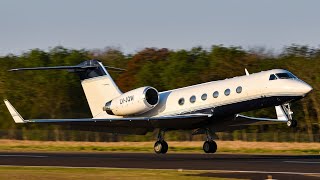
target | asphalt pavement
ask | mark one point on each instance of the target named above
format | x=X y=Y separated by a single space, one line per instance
x=216 y=165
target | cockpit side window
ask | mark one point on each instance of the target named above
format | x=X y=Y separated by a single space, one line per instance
x=272 y=77
x=285 y=76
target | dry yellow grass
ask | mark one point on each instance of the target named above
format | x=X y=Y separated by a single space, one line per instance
x=185 y=146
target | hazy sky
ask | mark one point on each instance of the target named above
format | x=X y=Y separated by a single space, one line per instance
x=176 y=24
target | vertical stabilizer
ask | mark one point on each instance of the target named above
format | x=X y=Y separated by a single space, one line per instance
x=98 y=87
x=97 y=84
x=98 y=91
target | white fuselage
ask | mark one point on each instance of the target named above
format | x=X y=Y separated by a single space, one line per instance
x=253 y=86
x=201 y=97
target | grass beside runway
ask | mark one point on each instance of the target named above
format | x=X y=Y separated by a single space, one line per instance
x=35 y=173
x=181 y=147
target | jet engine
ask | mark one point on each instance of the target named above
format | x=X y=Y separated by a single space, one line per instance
x=134 y=102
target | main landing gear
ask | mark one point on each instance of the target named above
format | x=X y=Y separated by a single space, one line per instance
x=161 y=146
x=209 y=146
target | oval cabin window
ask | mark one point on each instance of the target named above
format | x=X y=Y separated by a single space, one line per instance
x=204 y=97
x=215 y=94
x=227 y=92
x=193 y=99
x=181 y=101
x=239 y=89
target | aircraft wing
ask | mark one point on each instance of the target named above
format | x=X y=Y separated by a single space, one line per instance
x=141 y=125
x=174 y=121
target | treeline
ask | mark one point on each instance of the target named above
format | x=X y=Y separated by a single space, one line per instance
x=58 y=94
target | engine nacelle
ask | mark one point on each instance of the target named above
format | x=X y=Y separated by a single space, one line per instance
x=134 y=102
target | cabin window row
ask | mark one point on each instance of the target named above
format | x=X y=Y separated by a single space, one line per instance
x=204 y=96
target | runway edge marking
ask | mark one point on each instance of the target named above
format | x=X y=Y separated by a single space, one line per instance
x=303 y=162
x=22 y=155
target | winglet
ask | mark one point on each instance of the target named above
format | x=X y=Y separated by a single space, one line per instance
x=14 y=113
x=245 y=70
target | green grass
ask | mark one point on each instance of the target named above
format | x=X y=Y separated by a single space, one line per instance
x=49 y=173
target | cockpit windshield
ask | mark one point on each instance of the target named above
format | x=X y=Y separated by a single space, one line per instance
x=282 y=76
x=272 y=77
x=285 y=76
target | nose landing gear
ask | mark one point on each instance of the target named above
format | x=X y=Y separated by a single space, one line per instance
x=292 y=123
x=284 y=112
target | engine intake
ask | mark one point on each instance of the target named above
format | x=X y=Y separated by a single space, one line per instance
x=134 y=102
x=152 y=96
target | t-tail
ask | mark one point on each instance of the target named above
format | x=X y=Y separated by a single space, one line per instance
x=97 y=84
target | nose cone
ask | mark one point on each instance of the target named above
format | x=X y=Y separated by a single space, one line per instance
x=306 y=88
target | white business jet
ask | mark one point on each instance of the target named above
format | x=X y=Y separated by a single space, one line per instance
x=204 y=108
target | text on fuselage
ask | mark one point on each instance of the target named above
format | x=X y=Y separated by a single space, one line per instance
x=126 y=99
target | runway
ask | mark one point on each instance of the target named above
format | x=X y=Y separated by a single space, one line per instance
x=226 y=165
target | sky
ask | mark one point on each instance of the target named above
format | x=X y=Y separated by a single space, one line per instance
x=174 y=24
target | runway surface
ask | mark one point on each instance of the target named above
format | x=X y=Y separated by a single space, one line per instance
x=225 y=165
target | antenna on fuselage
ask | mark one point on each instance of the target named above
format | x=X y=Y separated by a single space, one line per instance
x=245 y=70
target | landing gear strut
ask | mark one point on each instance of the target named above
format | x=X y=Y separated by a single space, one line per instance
x=288 y=113
x=209 y=146
x=161 y=146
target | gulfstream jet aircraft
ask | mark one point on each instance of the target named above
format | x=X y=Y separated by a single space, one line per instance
x=204 y=108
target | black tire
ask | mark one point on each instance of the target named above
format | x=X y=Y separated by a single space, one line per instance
x=206 y=147
x=160 y=147
x=210 y=146
x=157 y=147
x=214 y=147
x=165 y=147
x=292 y=123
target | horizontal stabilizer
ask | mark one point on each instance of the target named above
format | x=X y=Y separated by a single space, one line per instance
x=14 y=113
x=91 y=64
x=65 y=68
x=54 y=68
